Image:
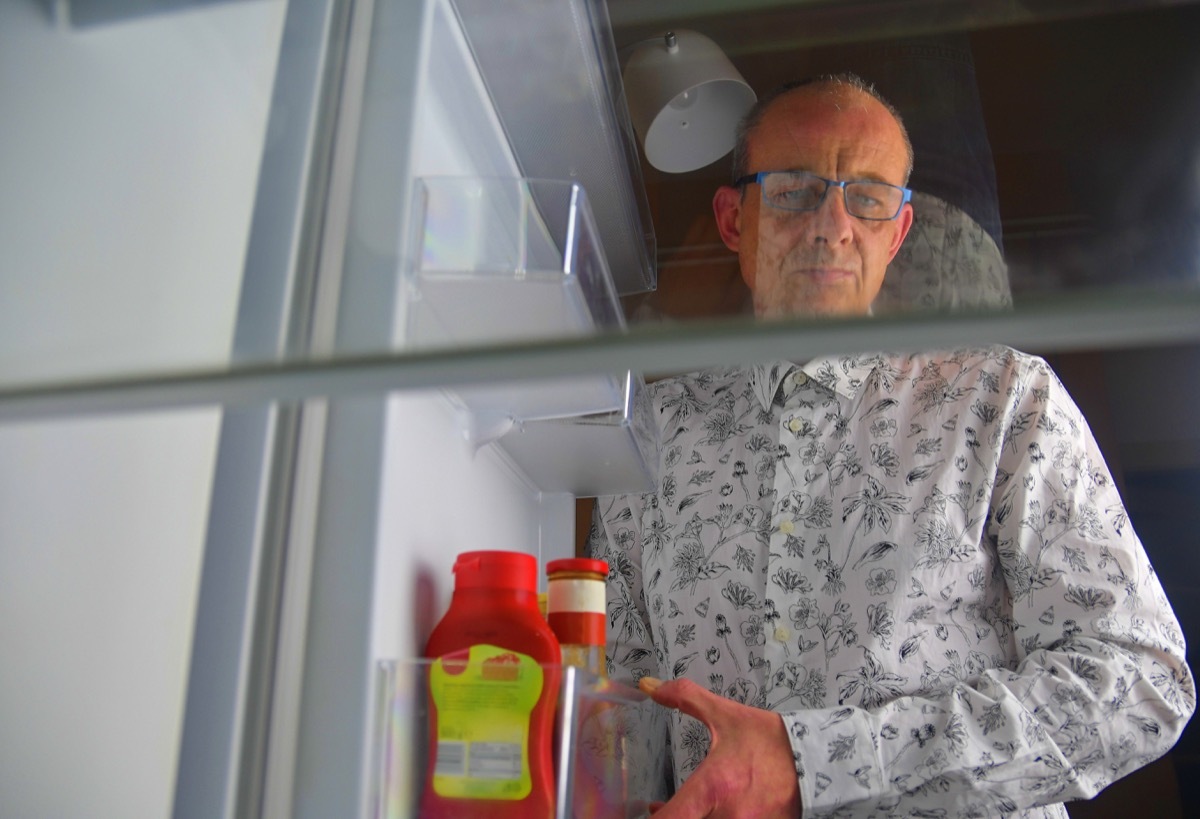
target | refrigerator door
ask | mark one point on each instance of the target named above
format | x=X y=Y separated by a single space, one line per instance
x=384 y=491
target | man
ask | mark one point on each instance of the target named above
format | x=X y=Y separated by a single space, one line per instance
x=889 y=585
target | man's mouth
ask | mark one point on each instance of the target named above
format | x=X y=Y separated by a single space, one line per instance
x=824 y=274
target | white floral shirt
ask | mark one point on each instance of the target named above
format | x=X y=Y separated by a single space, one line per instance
x=920 y=561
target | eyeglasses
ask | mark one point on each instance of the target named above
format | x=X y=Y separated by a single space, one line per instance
x=797 y=190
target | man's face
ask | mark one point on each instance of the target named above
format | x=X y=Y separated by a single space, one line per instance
x=821 y=262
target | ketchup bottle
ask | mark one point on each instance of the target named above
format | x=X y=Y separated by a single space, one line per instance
x=493 y=689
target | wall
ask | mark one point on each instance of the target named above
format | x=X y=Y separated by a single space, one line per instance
x=127 y=179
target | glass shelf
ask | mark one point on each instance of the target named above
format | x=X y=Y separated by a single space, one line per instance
x=1100 y=320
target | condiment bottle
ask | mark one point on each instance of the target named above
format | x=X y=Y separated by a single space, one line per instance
x=575 y=610
x=493 y=692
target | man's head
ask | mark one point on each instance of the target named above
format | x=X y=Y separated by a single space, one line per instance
x=823 y=261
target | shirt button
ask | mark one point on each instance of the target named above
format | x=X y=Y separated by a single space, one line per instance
x=782 y=634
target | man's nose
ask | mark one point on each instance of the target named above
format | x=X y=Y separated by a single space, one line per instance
x=831 y=222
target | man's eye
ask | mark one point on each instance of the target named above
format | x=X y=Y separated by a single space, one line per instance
x=798 y=196
x=865 y=200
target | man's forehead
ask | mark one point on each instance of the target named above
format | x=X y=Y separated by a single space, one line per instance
x=823 y=95
x=812 y=127
x=821 y=108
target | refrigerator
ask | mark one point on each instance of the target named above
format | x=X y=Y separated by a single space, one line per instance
x=258 y=390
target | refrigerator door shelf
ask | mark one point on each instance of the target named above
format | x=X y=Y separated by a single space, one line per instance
x=505 y=260
x=590 y=455
x=553 y=75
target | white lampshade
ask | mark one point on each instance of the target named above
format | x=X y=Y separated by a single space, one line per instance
x=685 y=99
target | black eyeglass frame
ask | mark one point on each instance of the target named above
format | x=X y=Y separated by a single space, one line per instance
x=829 y=183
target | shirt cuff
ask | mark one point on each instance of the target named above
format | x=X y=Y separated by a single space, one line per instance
x=836 y=759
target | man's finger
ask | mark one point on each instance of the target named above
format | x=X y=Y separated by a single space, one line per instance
x=675 y=693
x=688 y=697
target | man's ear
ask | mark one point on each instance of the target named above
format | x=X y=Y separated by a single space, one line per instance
x=905 y=221
x=727 y=207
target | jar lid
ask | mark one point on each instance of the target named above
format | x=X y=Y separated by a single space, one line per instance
x=577 y=565
x=496 y=570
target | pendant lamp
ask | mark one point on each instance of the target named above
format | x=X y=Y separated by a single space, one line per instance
x=685 y=99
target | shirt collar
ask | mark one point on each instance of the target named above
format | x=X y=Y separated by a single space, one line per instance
x=843 y=375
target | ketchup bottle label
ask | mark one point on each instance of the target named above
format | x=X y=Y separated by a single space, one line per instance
x=484 y=701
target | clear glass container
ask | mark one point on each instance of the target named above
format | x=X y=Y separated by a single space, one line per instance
x=610 y=740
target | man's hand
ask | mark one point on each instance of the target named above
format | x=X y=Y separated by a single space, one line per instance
x=749 y=770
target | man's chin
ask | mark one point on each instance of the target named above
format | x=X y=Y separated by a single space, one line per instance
x=822 y=308
x=799 y=296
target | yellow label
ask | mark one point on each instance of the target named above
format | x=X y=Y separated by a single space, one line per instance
x=484 y=704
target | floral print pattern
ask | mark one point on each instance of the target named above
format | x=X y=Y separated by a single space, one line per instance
x=920 y=561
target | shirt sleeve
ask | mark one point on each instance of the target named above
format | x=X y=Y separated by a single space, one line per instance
x=1098 y=685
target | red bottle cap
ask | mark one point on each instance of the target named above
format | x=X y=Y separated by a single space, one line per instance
x=496 y=570
x=582 y=565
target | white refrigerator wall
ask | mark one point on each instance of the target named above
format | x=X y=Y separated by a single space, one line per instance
x=127 y=179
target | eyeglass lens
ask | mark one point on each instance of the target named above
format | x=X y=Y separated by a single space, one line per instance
x=866 y=200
